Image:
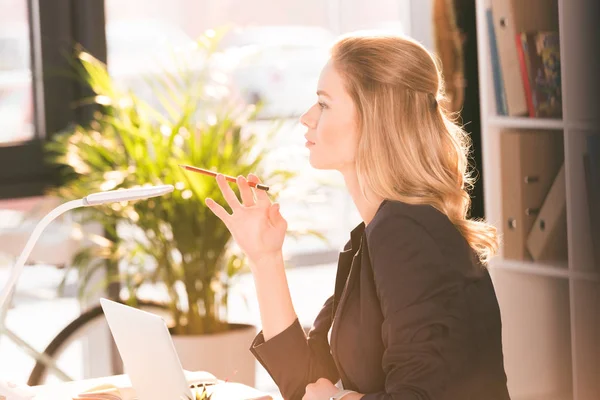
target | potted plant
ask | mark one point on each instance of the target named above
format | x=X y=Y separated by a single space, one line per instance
x=175 y=241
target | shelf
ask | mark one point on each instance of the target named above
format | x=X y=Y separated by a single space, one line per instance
x=526 y=123
x=584 y=126
x=556 y=270
x=564 y=396
x=585 y=276
x=501 y=121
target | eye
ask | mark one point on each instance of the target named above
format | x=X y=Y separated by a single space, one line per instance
x=322 y=105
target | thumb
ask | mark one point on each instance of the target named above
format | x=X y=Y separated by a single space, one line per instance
x=275 y=216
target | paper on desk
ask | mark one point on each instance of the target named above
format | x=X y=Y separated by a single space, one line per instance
x=107 y=392
x=235 y=391
x=110 y=391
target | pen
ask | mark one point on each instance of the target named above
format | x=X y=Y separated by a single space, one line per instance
x=228 y=178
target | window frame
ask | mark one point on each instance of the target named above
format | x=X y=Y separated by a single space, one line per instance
x=54 y=28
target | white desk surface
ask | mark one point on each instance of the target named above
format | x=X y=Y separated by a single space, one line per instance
x=69 y=390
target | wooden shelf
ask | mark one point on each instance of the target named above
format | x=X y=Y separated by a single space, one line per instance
x=555 y=270
x=585 y=276
x=525 y=123
x=584 y=126
x=563 y=396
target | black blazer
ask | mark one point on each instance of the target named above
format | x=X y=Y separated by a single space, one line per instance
x=414 y=316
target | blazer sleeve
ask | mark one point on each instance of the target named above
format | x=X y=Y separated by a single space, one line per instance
x=421 y=303
x=294 y=359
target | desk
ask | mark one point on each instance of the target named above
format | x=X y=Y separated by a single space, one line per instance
x=66 y=391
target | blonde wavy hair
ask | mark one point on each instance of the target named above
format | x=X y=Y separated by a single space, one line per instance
x=410 y=148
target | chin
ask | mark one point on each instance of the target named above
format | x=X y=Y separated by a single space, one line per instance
x=321 y=164
x=316 y=163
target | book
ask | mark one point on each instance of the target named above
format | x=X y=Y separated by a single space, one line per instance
x=510 y=18
x=504 y=30
x=525 y=67
x=499 y=93
x=539 y=60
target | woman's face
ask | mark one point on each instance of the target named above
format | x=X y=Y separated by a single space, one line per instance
x=332 y=135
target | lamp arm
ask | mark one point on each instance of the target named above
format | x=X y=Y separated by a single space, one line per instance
x=17 y=269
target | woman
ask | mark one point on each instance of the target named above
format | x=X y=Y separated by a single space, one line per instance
x=413 y=313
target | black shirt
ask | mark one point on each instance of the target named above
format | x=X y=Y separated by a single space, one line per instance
x=414 y=316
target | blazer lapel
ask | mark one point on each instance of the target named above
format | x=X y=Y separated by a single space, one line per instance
x=345 y=263
x=343 y=270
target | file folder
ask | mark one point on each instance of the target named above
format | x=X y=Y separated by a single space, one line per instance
x=530 y=160
x=547 y=240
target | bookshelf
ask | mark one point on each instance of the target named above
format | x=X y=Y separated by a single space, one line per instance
x=550 y=309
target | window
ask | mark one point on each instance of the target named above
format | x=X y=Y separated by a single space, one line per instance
x=278 y=49
x=36 y=91
x=21 y=167
x=16 y=99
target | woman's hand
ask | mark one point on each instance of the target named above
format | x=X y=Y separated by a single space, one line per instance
x=255 y=224
x=322 y=389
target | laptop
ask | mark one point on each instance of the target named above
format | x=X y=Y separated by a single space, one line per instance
x=148 y=353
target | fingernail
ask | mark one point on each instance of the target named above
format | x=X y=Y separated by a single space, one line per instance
x=207 y=201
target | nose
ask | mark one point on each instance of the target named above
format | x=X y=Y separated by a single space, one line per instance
x=309 y=118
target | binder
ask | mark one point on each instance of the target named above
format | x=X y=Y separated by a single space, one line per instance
x=511 y=17
x=547 y=240
x=530 y=159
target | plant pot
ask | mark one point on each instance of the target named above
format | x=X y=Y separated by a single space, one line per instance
x=225 y=355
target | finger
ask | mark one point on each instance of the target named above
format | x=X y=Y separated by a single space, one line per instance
x=245 y=191
x=218 y=210
x=262 y=198
x=275 y=216
x=228 y=193
x=307 y=392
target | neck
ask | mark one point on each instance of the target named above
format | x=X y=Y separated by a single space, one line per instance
x=367 y=208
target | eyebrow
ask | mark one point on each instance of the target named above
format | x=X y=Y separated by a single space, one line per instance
x=322 y=93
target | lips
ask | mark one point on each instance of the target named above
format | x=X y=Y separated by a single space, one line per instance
x=308 y=142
